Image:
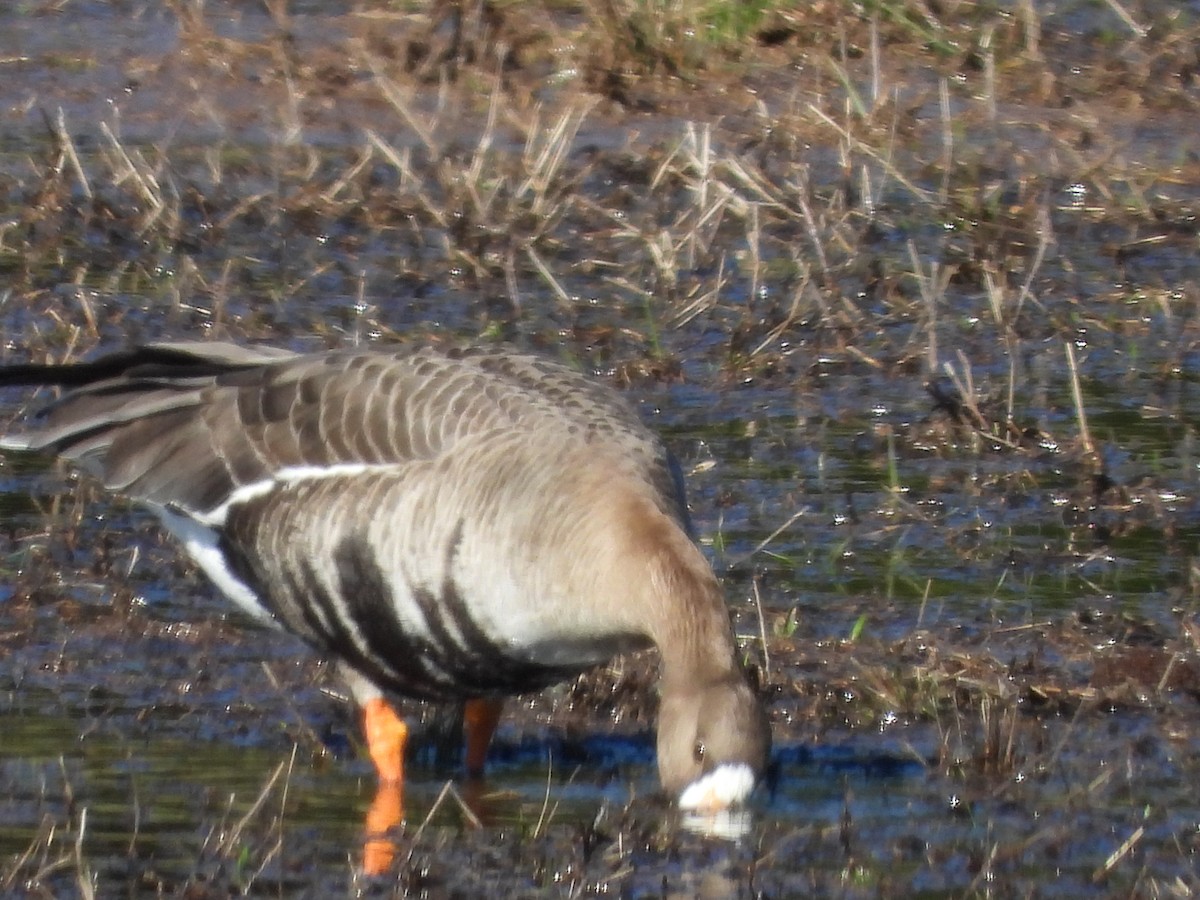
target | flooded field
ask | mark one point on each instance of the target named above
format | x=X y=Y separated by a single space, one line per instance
x=913 y=292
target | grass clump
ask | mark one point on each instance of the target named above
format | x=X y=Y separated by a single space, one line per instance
x=922 y=332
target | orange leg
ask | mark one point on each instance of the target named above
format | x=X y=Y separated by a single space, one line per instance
x=386 y=736
x=480 y=718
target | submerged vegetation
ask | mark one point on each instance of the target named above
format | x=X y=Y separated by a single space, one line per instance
x=913 y=289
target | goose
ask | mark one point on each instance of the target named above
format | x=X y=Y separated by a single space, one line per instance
x=442 y=522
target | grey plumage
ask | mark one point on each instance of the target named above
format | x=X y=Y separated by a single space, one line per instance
x=445 y=522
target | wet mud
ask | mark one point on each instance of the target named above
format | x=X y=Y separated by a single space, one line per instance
x=914 y=296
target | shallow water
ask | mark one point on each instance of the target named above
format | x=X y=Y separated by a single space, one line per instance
x=901 y=561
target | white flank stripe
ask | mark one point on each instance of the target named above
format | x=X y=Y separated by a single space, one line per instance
x=216 y=517
x=200 y=542
x=15 y=442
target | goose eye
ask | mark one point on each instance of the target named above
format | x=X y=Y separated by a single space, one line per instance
x=698 y=751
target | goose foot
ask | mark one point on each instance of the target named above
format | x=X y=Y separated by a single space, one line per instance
x=480 y=718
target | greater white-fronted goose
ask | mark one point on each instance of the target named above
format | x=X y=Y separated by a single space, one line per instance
x=444 y=523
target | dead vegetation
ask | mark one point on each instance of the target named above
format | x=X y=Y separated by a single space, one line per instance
x=912 y=288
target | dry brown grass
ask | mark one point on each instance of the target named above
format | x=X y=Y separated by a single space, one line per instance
x=935 y=246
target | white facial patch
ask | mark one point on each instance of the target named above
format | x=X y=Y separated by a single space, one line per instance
x=726 y=785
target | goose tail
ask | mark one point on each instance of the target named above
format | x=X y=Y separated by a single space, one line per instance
x=116 y=394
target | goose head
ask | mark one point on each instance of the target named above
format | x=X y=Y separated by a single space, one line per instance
x=713 y=742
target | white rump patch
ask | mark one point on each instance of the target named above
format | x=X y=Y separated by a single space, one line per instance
x=200 y=541
x=726 y=785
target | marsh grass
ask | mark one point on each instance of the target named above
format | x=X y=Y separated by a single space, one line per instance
x=927 y=267
x=236 y=850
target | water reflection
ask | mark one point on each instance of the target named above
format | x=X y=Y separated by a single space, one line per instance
x=726 y=824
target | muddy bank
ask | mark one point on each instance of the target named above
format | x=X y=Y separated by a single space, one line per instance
x=913 y=295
